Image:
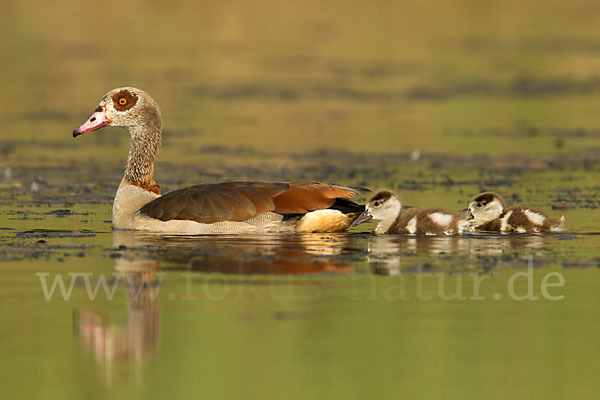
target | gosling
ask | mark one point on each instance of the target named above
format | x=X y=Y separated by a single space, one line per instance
x=386 y=208
x=488 y=213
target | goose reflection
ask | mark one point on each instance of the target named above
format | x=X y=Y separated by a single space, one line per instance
x=121 y=349
x=265 y=255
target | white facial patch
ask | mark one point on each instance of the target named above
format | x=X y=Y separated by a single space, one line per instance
x=489 y=212
x=387 y=212
x=411 y=226
x=441 y=219
x=534 y=217
x=494 y=209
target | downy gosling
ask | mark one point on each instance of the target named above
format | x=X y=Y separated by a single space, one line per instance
x=488 y=213
x=386 y=208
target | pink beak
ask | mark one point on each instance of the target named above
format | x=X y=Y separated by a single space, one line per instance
x=96 y=121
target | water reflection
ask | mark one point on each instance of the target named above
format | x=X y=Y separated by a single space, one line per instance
x=268 y=254
x=385 y=253
x=120 y=350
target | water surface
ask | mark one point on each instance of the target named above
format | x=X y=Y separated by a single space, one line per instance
x=437 y=102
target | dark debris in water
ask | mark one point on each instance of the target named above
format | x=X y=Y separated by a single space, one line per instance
x=63 y=213
x=43 y=233
x=40 y=249
x=318 y=256
x=64 y=187
x=581 y=264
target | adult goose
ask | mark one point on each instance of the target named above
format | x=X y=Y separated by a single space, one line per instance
x=229 y=207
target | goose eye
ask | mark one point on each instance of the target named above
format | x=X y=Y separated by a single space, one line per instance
x=124 y=100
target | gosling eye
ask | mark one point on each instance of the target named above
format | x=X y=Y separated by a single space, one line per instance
x=377 y=203
x=479 y=205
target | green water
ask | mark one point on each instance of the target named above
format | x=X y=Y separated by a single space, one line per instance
x=501 y=97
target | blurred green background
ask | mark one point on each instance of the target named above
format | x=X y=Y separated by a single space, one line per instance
x=380 y=76
x=436 y=100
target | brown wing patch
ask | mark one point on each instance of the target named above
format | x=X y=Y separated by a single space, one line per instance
x=124 y=100
x=303 y=197
x=210 y=203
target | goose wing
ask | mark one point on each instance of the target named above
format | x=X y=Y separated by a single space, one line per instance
x=210 y=203
x=240 y=201
x=303 y=197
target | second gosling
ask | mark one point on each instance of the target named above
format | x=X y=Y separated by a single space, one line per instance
x=487 y=213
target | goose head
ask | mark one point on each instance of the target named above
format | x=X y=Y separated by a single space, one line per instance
x=383 y=206
x=485 y=207
x=125 y=107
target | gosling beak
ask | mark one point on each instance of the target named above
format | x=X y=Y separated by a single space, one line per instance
x=364 y=217
x=96 y=121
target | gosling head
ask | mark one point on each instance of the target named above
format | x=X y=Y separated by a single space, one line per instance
x=126 y=107
x=485 y=207
x=383 y=206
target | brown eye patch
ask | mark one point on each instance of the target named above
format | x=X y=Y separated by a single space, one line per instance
x=124 y=100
